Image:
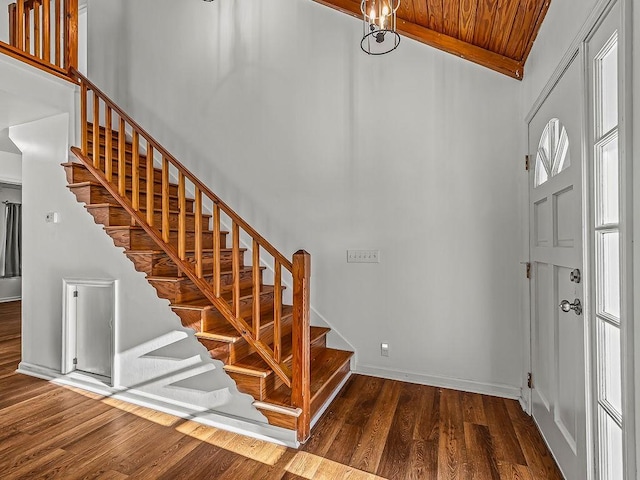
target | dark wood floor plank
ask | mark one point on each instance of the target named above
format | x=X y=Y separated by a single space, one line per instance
x=452 y=454
x=395 y=457
x=372 y=442
x=481 y=459
x=537 y=455
x=473 y=408
x=398 y=430
x=506 y=443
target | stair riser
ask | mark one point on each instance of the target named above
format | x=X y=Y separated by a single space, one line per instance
x=156 y=264
x=184 y=290
x=92 y=194
x=261 y=387
x=246 y=307
x=197 y=319
x=118 y=217
x=217 y=350
x=139 y=240
x=78 y=173
x=190 y=318
x=330 y=387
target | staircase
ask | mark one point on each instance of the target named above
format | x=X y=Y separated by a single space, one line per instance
x=230 y=287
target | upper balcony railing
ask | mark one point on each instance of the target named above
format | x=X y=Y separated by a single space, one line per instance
x=44 y=33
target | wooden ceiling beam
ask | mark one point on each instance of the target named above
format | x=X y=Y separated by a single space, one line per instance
x=481 y=56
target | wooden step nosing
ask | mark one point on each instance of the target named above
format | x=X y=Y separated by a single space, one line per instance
x=218 y=338
x=247 y=371
x=289 y=411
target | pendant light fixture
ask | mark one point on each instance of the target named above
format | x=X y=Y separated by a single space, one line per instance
x=379 y=36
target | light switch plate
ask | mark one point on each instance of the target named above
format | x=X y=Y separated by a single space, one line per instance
x=363 y=256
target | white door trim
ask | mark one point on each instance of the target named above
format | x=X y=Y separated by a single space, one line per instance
x=625 y=101
x=69 y=323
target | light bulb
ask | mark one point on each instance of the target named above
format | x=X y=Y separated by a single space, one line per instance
x=372 y=15
x=385 y=11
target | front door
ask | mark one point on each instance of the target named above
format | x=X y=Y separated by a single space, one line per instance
x=557 y=322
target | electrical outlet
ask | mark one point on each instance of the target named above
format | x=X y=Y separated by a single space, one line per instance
x=52 y=217
x=363 y=256
x=384 y=349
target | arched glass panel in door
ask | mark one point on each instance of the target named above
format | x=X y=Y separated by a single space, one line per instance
x=553 y=152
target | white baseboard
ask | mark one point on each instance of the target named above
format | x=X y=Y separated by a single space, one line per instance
x=261 y=431
x=493 y=389
x=10 y=299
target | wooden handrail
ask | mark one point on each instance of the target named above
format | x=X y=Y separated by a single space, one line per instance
x=174 y=243
x=31 y=33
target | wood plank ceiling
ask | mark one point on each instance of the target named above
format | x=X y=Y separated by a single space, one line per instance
x=497 y=34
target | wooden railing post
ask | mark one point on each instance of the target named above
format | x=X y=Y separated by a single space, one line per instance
x=12 y=24
x=19 y=25
x=301 y=339
x=71 y=34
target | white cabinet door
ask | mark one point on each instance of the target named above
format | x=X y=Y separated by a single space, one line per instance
x=94 y=337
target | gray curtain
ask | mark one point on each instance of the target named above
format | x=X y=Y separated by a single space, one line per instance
x=13 y=241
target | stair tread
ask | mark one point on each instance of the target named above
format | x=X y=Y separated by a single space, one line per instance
x=161 y=252
x=175 y=278
x=226 y=332
x=98 y=184
x=324 y=366
x=133 y=227
x=204 y=303
x=255 y=363
x=117 y=205
x=115 y=173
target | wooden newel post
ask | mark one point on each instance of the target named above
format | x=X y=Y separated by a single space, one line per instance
x=301 y=368
x=71 y=34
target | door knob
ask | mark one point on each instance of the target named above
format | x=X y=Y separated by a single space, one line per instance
x=575 y=276
x=576 y=306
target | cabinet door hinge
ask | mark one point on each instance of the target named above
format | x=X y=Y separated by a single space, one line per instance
x=527 y=163
x=529 y=380
x=528 y=264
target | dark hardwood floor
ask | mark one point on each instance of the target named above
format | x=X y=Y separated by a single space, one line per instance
x=375 y=429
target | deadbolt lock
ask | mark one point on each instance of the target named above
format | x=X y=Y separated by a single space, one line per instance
x=575 y=276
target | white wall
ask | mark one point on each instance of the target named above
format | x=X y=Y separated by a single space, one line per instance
x=562 y=24
x=10 y=168
x=4 y=20
x=320 y=147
